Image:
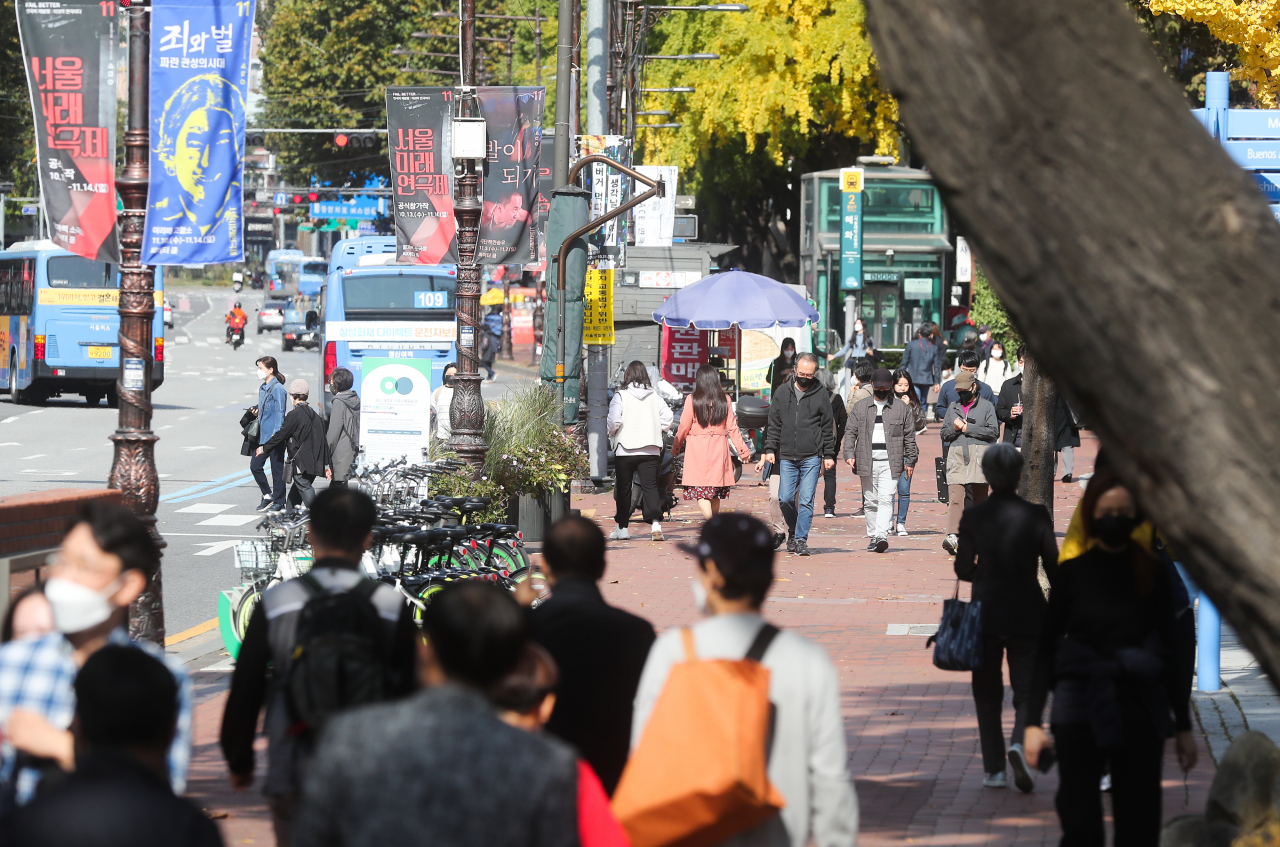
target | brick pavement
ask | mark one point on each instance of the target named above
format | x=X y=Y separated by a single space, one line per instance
x=912 y=734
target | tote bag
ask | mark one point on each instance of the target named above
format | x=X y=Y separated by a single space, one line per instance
x=957 y=646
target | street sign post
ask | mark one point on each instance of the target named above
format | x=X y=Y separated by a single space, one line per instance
x=851 y=229
x=1250 y=136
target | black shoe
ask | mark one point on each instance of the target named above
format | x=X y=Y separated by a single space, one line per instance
x=880 y=544
x=1021 y=773
x=802 y=547
x=829 y=513
x=265 y=504
x=779 y=538
x=791 y=543
x=871 y=545
x=1067 y=478
x=276 y=507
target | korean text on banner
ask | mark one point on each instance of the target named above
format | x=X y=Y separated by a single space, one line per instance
x=69 y=50
x=851 y=228
x=199 y=81
x=597 y=319
x=609 y=189
x=683 y=351
x=419 y=128
x=395 y=408
x=655 y=218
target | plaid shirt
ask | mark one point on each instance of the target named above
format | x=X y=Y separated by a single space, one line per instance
x=38 y=674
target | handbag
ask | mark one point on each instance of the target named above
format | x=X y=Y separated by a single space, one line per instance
x=957 y=646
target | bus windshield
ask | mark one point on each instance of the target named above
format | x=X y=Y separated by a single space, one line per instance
x=78 y=272
x=406 y=294
x=320 y=268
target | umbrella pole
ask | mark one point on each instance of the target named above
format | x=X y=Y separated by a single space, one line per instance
x=737 y=364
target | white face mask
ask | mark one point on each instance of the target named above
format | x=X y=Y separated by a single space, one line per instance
x=262 y=375
x=77 y=607
x=857 y=327
x=985 y=336
x=997 y=354
x=699 y=596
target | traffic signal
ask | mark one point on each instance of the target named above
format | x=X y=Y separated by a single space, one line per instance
x=312 y=197
x=255 y=138
x=355 y=139
x=297 y=198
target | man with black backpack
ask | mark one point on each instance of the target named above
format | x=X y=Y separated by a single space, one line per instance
x=316 y=645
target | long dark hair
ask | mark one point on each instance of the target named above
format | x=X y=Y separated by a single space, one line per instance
x=710 y=405
x=270 y=362
x=901 y=374
x=636 y=374
x=1145 y=564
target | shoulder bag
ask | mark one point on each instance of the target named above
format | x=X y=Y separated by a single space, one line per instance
x=957 y=646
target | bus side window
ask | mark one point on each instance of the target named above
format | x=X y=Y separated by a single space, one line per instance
x=28 y=275
x=7 y=283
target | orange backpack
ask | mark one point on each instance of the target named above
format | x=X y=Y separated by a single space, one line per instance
x=700 y=772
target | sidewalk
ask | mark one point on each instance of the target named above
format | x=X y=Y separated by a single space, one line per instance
x=911 y=730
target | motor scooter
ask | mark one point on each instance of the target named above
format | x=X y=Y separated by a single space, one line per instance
x=237 y=337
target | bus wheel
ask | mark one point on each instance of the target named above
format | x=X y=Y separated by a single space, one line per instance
x=113 y=399
x=17 y=396
x=92 y=398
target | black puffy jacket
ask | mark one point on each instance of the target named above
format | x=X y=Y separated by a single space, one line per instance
x=801 y=426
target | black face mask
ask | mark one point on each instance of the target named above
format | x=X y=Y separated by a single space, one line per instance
x=881 y=395
x=448 y=379
x=1114 y=530
x=965 y=396
x=805 y=382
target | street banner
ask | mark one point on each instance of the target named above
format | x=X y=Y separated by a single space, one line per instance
x=542 y=211
x=851 y=229
x=609 y=190
x=69 y=50
x=395 y=408
x=684 y=350
x=597 y=320
x=419 y=129
x=655 y=218
x=199 y=81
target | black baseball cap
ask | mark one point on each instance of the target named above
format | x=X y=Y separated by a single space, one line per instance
x=882 y=378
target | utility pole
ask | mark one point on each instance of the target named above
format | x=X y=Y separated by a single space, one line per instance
x=597 y=354
x=466 y=412
x=133 y=469
x=597 y=59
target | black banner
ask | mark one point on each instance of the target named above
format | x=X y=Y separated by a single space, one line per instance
x=419 y=131
x=69 y=50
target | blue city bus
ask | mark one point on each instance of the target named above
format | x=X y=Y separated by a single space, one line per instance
x=311 y=276
x=59 y=325
x=282 y=268
x=371 y=307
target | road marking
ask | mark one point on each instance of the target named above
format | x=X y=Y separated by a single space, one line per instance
x=198 y=447
x=230 y=520
x=207 y=535
x=215 y=547
x=228 y=665
x=198 y=629
x=181 y=339
x=200 y=344
x=237 y=475
x=206 y=508
x=35 y=456
x=215 y=340
x=10 y=444
x=11 y=420
x=170 y=426
x=51 y=473
x=911 y=629
x=38 y=412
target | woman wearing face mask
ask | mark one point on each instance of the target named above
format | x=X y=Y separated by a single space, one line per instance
x=1108 y=650
x=905 y=390
x=707 y=419
x=859 y=346
x=273 y=404
x=441 y=398
x=995 y=369
x=970 y=426
x=782 y=367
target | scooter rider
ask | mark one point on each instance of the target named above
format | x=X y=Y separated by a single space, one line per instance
x=236 y=319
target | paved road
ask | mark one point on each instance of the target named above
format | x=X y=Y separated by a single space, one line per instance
x=207 y=495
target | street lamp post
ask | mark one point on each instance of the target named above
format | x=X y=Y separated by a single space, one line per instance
x=133 y=469
x=466 y=411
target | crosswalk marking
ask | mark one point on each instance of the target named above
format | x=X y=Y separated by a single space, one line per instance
x=206 y=508
x=214 y=547
x=230 y=520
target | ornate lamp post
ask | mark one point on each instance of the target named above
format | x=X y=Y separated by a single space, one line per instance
x=133 y=469
x=466 y=412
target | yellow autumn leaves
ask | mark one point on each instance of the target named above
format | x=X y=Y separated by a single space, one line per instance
x=788 y=69
x=1253 y=26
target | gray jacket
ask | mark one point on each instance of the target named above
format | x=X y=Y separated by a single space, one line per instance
x=899 y=433
x=423 y=771
x=343 y=434
x=983 y=431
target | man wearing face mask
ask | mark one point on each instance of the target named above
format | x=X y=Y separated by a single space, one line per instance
x=101 y=567
x=802 y=432
x=969 y=427
x=880 y=446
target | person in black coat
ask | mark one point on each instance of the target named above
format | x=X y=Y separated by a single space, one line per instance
x=1001 y=544
x=304 y=431
x=841 y=415
x=600 y=649
x=119 y=793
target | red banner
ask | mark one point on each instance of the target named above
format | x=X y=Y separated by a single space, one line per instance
x=683 y=351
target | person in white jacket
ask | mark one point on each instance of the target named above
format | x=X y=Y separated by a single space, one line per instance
x=995 y=369
x=637 y=419
x=808 y=757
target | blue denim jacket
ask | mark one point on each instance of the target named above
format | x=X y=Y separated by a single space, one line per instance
x=273 y=402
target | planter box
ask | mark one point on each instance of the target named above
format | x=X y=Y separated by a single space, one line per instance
x=535 y=513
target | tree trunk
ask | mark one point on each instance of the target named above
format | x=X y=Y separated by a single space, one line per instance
x=1039 y=435
x=1114 y=228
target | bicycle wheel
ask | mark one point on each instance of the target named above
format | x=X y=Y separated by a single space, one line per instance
x=243 y=612
x=508 y=557
x=539 y=583
x=425 y=593
x=456 y=558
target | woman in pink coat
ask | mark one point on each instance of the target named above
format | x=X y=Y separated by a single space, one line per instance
x=707 y=418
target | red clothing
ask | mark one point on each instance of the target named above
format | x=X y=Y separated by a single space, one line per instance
x=237 y=318
x=706 y=462
x=597 y=827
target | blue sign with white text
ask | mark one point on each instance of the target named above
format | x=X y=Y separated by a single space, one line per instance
x=199 y=82
x=850 y=240
x=361 y=208
x=430 y=299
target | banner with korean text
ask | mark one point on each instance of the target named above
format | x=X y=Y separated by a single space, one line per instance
x=419 y=125
x=69 y=50
x=199 y=82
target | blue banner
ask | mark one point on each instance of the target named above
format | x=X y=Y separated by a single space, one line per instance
x=199 y=82
x=850 y=240
x=362 y=207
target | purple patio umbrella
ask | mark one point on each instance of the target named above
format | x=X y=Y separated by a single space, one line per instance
x=747 y=300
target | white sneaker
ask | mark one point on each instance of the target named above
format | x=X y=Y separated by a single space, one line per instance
x=655 y=531
x=619 y=534
x=995 y=780
x=951 y=544
x=902 y=529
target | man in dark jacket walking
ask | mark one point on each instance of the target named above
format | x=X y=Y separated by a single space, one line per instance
x=879 y=446
x=802 y=433
x=920 y=359
x=599 y=649
x=1010 y=412
x=303 y=431
x=841 y=416
x=1002 y=542
x=343 y=437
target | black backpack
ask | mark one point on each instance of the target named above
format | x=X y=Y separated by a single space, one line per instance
x=340 y=655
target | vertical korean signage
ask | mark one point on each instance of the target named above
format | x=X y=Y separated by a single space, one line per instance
x=597 y=319
x=69 y=50
x=609 y=189
x=419 y=121
x=684 y=350
x=850 y=229
x=199 y=81
x=655 y=218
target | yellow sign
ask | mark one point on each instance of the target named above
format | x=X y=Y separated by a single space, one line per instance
x=597 y=319
x=851 y=180
x=85 y=297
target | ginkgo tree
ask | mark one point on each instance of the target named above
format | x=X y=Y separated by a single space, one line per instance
x=1253 y=26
